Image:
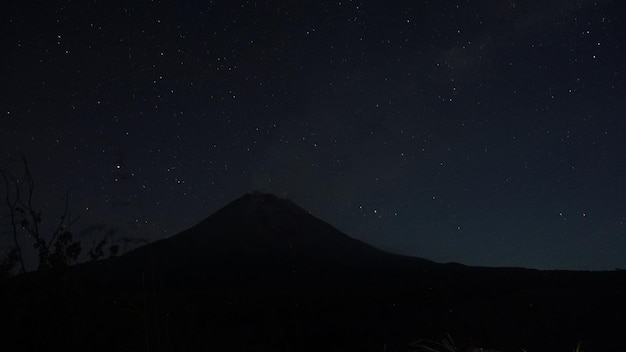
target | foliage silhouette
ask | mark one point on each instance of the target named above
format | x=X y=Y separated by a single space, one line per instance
x=12 y=203
x=55 y=251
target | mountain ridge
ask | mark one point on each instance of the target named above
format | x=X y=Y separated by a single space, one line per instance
x=260 y=233
x=261 y=271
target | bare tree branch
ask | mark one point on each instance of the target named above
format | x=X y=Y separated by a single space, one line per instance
x=11 y=204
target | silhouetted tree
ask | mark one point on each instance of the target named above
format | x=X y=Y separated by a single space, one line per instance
x=59 y=249
x=12 y=200
x=56 y=249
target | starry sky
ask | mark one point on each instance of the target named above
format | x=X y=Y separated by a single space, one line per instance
x=488 y=133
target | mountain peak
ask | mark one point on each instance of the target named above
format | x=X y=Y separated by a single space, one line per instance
x=262 y=196
x=260 y=229
x=268 y=203
x=266 y=220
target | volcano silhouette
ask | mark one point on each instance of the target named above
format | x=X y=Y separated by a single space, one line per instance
x=262 y=274
x=262 y=225
x=258 y=238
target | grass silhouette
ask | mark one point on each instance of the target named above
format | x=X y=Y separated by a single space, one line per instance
x=448 y=345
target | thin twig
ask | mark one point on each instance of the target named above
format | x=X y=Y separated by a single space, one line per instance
x=11 y=206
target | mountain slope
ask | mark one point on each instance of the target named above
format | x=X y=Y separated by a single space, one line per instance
x=262 y=237
x=262 y=274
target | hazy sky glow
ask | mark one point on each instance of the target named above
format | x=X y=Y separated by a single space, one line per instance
x=483 y=132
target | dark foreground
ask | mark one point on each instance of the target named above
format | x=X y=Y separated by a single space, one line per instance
x=263 y=275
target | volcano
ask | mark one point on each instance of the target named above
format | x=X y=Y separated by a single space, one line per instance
x=260 y=238
x=262 y=274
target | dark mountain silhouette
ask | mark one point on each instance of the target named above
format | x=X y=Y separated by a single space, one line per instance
x=258 y=229
x=264 y=241
x=258 y=240
x=262 y=274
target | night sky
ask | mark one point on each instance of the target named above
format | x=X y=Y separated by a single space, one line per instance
x=488 y=133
